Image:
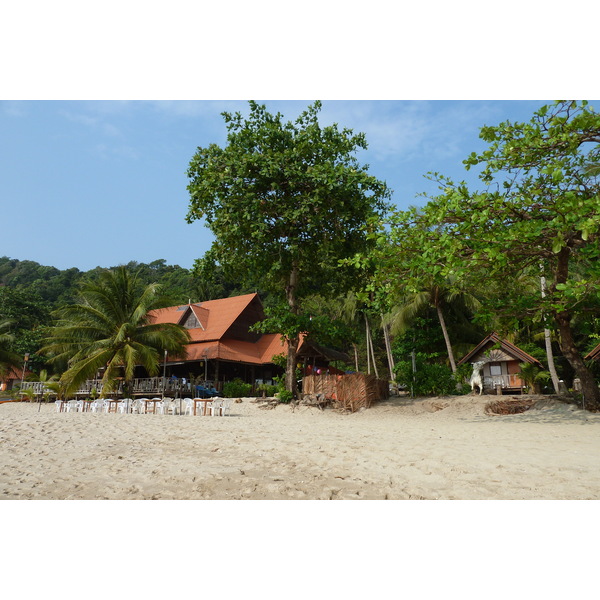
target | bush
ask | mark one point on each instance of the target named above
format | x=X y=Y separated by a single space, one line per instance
x=285 y=397
x=429 y=379
x=236 y=389
x=269 y=390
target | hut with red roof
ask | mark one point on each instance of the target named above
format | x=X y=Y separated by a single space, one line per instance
x=501 y=371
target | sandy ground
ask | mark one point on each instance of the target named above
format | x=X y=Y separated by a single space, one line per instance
x=436 y=448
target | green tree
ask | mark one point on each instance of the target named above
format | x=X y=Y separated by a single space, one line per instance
x=109 y=328
x=8 y=358
x=286 y=202
x=540 y=207
x=439 y=297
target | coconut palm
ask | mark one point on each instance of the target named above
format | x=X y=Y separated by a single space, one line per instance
x=109 y=328
x=434 y=296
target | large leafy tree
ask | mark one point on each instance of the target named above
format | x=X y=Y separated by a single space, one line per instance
x=539 y=213
x=109 y=328
x=286 y=201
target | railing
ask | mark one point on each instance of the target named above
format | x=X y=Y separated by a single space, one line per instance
x=38 y=387
x=504 y=381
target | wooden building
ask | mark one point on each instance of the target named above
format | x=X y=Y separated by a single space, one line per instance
x=501 y=369
x=223 y=348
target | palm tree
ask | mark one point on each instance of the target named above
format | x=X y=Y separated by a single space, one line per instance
x=109 y=328
x=437 y=297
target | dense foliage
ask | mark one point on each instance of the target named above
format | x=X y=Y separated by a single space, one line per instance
x=107 y=330
x=286 y=202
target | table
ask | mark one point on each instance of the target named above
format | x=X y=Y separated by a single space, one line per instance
x=111 y=402
x=154 y=401
x=205 y=400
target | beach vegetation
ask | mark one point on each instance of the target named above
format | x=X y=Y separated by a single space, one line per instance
x=107 y=331
x=285 y=201
x=237 y=389
x=537 y=214
x=8 y=358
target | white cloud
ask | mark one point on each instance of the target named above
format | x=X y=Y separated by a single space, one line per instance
x=94 y=123
x=405 y=130
x=13 y=108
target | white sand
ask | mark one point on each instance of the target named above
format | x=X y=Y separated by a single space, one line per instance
x=445 y=448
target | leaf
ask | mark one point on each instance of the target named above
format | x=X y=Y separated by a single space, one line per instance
x=557 y=245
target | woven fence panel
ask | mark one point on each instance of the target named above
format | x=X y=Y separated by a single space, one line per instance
x=352 y=392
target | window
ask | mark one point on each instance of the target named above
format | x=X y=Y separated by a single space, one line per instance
x=495 y=370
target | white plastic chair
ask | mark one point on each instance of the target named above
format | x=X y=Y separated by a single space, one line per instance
x=189 y=407
x=59 y=405
x=215 y=407
x=96 y=406
x=141 y=405
x=226 y=407
x=164 y=406
x=71 y=406
x=124 y=406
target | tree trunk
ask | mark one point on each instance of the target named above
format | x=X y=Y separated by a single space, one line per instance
x=388 y=347
x=548 y=340
x=290 y=368
x=370 y=346
x=356 y=356
x=589 y=387
x=446 y=337
x=367 y=338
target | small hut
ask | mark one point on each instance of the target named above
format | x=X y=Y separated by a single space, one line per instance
x=501 y=368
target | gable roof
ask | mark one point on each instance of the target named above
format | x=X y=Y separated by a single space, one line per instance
x=215 y=316
x=505 y=345
x=219 y=330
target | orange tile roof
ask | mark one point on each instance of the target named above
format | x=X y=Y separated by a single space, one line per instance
x=237 y=351
x=216 y=316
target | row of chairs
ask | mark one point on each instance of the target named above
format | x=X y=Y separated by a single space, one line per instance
x=164 y=406
x=218 y=407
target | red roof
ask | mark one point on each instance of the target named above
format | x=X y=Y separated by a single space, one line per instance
x=220 y=331
x=215 y=316
x=217 y=335
x=508 y=347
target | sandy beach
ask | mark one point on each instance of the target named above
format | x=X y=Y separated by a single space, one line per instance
x=433 y=448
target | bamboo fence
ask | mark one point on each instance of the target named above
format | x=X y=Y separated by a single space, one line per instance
x=350 y=392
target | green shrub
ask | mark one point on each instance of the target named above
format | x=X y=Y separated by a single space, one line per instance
x=429 y=379
x=269 y=390
x=285 y=397
x=236 y=389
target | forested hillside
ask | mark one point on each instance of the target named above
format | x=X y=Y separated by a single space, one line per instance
x=29 y=292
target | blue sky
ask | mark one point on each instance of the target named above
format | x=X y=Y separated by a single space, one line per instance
x=101 y=183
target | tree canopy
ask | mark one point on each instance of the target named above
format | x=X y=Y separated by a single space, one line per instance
x=538 y=214
x=286 y=201
x=108 y=329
